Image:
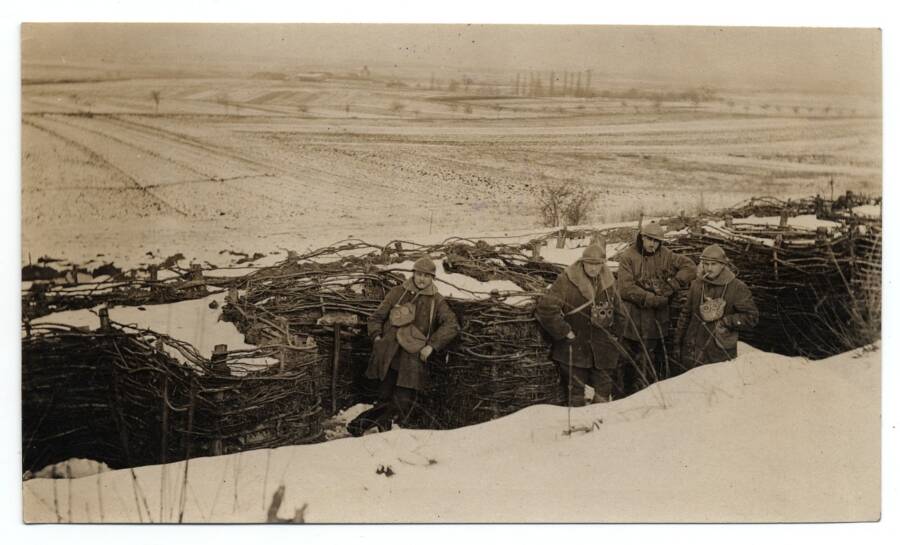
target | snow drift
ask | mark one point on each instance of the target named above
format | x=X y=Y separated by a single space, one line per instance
x=763 y=438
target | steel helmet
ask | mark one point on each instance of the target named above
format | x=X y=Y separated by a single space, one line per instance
x=714 y=252
x=652 y=230
x=594 y=254
x=424 y=265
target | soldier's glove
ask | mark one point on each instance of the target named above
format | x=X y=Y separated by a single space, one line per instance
x=674 y=283
x=425 y=352
x=731 y=321
x=662 y=287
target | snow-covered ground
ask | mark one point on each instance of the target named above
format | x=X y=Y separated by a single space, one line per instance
x=193 y=322
x=868 y=210
x=809 y=221
x=762 y=438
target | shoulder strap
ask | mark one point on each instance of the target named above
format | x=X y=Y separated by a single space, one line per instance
x=430 y=316
x=579 y=308
x=725 y=289
x=402 y=295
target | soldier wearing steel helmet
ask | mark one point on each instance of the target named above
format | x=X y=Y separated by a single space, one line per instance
x=718 y=307
x=579 y=312
x=411 y=323
x=649 y=275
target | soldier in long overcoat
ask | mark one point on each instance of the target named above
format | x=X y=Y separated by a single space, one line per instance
x=411 y=323
x=582 y=314
x=649 y=275
x=717 y=308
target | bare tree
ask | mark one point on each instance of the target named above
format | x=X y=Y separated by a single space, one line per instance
x=695 y=101
x=155 y=95
x=565 y=203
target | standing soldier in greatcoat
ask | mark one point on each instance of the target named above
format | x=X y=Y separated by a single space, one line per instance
x=649 y=275
x=718 y=306
x=411 y=324
x=579 y=311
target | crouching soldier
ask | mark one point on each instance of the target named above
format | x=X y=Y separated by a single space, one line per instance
x=579 y=312
x=411 y=323
x=718 y=306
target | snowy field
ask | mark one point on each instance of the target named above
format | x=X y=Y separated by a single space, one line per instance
x=764 y=438
x=284 y=163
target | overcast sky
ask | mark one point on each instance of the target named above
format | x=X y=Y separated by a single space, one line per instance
x=815 y=59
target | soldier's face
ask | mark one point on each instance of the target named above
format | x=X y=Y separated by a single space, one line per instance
x=422 y=280
x=650 y=244
x=592 y=269
x=711 y=269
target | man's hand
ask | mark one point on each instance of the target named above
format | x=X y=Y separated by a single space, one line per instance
x=731 y=321
x=376 y=339
x=570 y=336
x=425 y=352
x=661 y=287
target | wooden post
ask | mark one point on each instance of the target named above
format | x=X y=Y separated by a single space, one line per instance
x=219 y=355
x=561 y=238
x=778 y=240
x=104 y=318
x=783 y=219
x=334 y=366
x=536 y=250
x=196 y=272
x=286 y=339
x=154 y=273
x=729 y=221
x=164 y=421
x=232 y=296
x=821 y=234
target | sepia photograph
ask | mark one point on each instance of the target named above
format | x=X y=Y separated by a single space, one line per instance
x=340 y=273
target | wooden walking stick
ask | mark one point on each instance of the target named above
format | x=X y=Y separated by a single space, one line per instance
x=569 y=392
